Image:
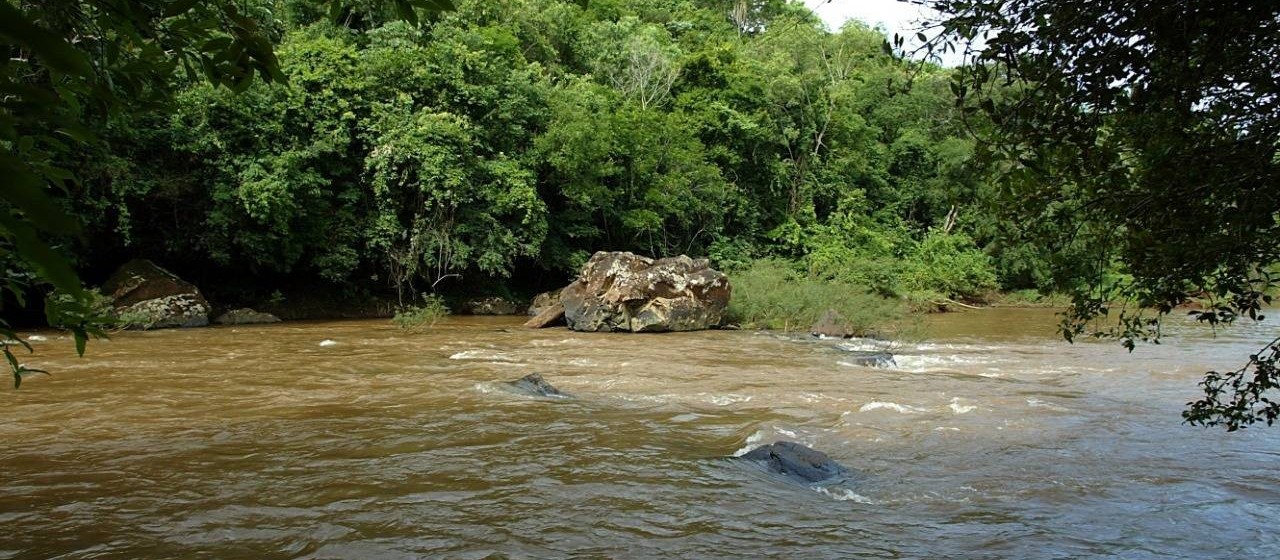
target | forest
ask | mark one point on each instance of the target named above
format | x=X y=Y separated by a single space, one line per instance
x=494 y=147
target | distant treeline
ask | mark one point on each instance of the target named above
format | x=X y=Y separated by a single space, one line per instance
x=508 y=140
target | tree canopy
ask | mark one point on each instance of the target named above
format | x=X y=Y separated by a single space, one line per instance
x=1148 y=132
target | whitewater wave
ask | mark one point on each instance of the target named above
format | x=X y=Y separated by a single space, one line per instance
x=958 y=408
x=842 y=494
x=900 y=408
x=486 y=355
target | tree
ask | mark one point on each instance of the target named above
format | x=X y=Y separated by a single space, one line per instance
x=1151 y=129
x=68 y=66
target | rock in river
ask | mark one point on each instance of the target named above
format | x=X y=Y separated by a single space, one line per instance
x=870 y=359
x=245 y=316
x=534 y=385
x=619 y=291
x=796 y=461
x=151 y=297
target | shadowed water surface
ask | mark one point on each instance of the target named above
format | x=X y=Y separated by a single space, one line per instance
x=992 y=439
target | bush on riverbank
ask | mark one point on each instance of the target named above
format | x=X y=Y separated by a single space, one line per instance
x=418 y=318
x=773 y=294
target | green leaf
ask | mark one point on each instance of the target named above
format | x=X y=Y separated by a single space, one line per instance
x=49 y=265
x=24 y=191
x=216 y=45
x=52 y=50
x=179 y=7
x=446 y=5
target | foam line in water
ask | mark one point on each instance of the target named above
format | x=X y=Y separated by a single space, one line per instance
x=958 y=408
x=865 y=345
x=486 y=355
x=901 y=408
x=842 y=494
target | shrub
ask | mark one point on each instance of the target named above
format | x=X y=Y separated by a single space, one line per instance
x=949 y=264
x=418 y=318
x=772 y=294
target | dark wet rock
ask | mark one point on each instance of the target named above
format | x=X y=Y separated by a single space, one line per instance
x=621 y=291
x=796 y=461
x=534 y=385
x=831 y=324
x=147 y=296
x=870 y=358
x=543 y=302
x=492 y=305
x=550 y=317
x=245 y=316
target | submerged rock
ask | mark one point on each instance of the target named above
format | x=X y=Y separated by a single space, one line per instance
x=621 y=291
x=870 y=359
x=149 y=297
x=534 y=385
x=796 y=461
x=492 y=305
x=245 y=316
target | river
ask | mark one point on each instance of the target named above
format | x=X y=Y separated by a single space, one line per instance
x=991 y=438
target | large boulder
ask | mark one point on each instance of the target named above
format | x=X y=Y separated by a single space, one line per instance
x=245 y=316
x=150 y=297
x=796 y=461
x=619 y=291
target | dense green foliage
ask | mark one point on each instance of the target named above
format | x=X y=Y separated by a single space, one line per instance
x=510 y=140
x=1147 y=133
x=69 y=69
x=772 y=294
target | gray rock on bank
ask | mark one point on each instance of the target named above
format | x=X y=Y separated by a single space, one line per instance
x=492 y=305
x=549 y=317
x=151 y=297
x=543 y=302
x=831 y=325
x=796 y=461
x=621 y=291
x=245 y=316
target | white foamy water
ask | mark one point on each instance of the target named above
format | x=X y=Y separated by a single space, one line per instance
x=483 y=355
x=958 y=408
x=901 y=408
x=842 y=494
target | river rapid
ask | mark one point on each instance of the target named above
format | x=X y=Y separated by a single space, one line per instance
x=991 y=438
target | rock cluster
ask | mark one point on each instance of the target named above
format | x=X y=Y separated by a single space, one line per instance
x=621 y=291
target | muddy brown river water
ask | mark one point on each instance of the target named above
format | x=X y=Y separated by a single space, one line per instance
x=989 y=439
